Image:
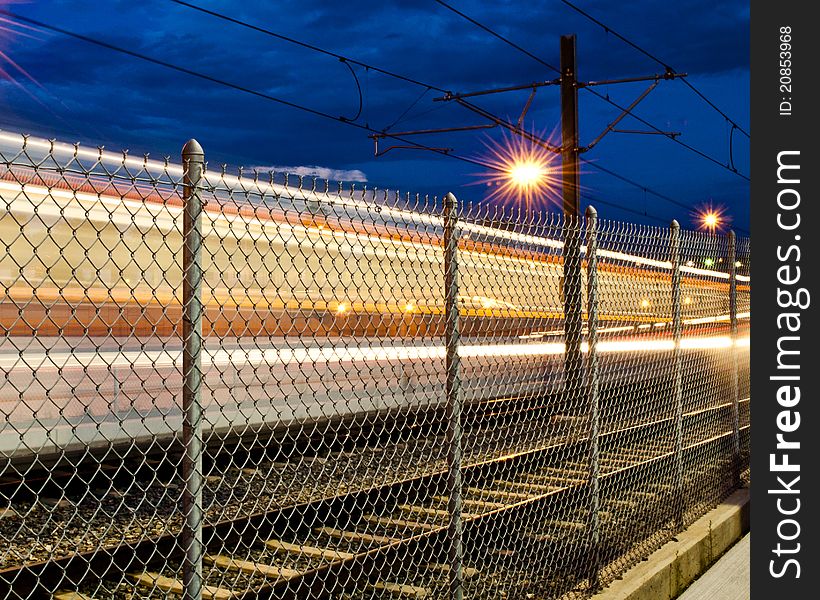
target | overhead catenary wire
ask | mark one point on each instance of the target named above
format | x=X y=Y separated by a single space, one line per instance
x=306 y=45
x=646 y=189
x=269 y=97
x=427 y=87
x=651 y=56
x=594 y=92
x=228 y=84
x=634 y=211
x=497 y=35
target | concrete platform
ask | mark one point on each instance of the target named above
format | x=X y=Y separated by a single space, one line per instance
x=727 y=579
x=670 y=570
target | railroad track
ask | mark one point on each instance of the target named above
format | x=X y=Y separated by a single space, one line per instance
x=360 y=544
x=47 y=476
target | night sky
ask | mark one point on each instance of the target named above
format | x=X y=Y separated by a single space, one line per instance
x=79 y=92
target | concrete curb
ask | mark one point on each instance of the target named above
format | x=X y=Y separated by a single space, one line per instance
x=669 y=571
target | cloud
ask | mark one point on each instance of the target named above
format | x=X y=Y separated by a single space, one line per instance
x=328 y=173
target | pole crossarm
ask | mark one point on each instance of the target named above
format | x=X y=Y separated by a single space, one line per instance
x=379 y=136
x=668 y=76
x=500 y=90
x=517 y=127
x=378 y=152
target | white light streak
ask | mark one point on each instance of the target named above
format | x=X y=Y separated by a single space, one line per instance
x=239 y=358
x=111 y=160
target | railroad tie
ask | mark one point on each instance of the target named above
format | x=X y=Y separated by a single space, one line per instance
x=514 y=496
x=566 y=525
x=538 y=488
x=433 y=512
x=175 y=586
x=554 y=480
x=620 y=503
x=66 y=595
x=466 y=572
x=575 y=468
x=356 y=536
x=614 y=460
x=476 y=503
x=399 y=523
x=281 y=466
x=645 y=495
x=254 y=568
x=9 y=513
x=308 y=551
x=568 y=473
x=401 y=589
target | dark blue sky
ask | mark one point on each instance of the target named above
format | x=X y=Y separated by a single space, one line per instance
x=84 y=93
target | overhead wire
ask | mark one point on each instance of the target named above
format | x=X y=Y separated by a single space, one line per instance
x=269 y=97
x=427 y=87
x=653 y=57
x=594 y=92
x=227 y=84
x=306 y=45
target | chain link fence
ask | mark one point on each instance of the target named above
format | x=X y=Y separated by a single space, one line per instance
x=222 y=385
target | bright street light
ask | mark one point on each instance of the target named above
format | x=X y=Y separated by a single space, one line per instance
x=521 y=172
x=711 y=220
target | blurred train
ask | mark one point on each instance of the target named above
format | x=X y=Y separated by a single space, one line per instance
x=318 y=303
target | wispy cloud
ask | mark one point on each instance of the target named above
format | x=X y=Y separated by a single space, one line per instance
x=316 y=171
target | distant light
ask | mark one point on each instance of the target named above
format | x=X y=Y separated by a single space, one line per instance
x=709 y=262
x=711 y=218
x=341 y=309
x=409 y=307
x=687 y=300
x=738 y=264
x=645 y=303
x=690 y=263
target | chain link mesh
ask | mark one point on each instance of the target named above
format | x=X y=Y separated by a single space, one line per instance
x=393 y=403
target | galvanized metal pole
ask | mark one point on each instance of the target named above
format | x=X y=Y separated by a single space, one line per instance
x=674 y=256
x=592 y=390
x=735 y=389
x=573 y=317
x=193 y=161
x=453 y=393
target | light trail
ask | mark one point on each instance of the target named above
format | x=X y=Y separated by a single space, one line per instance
x=257 y=357
x=167 y=219
x=171 y=174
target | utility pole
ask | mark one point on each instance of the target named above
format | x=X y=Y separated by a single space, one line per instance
x=571 y=203
x=570 y=151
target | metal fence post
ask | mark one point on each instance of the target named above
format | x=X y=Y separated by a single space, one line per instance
x=674 y=252
x=193 y=160
x=453 y=393
x=592 y=389
x=734 y=375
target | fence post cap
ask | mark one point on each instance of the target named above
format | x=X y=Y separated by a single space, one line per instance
x=674 y=224
x=591 y=212
x=192 y=150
